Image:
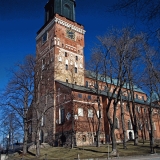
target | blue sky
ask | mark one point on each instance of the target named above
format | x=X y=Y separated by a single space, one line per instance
x=20 y=20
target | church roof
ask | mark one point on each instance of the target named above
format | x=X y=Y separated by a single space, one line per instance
x=104 y=93
x=108 y=80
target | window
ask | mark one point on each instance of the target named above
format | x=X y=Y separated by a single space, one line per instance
x=76 y=58
x=66 y=55
x=127 y=107
x=143 y=98
x=42 y=121
x=136 y=96
x=138 y=109
x=86 y=83
x=154 y=126
x=67 y=11
x=96 y=85
x=129 y=125
x=90 y=113
x=29 y=129
x=66 y=66
x=83 y=138
x=80 y=112
x=60 y=59
x=89 y=97
x=117 y=123
x=75 y=69
x=79 y=95
x=66 y=80
x=44 y=37
x=98 y=114
x=62 y=116
x=43 y=64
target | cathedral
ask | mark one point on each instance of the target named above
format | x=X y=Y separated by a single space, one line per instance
x=66 y=107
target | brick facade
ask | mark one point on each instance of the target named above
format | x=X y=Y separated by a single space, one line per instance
x=65 y=92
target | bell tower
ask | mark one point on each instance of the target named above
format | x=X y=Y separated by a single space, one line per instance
x=64 y=8
x=59 y=57
x=60 y=45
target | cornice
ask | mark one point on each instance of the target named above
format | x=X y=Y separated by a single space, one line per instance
x=63 y=23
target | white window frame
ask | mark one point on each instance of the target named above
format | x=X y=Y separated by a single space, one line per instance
x=80 y=112
x=90 y=113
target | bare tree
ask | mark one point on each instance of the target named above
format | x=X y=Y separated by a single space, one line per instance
x=145 y=11
x=151 y=80
x=117 y=48
x=95 y=73
x=19 y=93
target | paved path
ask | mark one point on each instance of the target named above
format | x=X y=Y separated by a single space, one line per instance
x=149 y=157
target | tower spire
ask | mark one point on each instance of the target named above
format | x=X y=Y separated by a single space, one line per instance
x=64 y=8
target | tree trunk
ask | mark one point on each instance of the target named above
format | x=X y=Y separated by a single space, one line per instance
x=99 y=123
x=25 y=138
x=151 y=135
x=112 y=128
x=135 y=136
x=37 y=144
x=114 y=144
x=123 y=124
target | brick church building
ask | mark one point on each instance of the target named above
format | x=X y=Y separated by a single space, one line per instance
x=64 y=91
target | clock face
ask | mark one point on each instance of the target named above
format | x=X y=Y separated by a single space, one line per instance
x=70 y=34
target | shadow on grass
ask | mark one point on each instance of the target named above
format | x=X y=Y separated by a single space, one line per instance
x=32 y=154
x=91 y=150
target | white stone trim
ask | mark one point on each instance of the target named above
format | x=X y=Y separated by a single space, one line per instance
x=68 y=25
x=45 y=29
x=61 y=50
x=85 y=102
x=63 y=23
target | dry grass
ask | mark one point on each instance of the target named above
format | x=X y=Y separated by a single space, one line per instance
x=88 y=152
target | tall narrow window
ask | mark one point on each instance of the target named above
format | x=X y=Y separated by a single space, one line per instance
x=99 y=114
x=86 y=83
x=66 y=80
x=79 y=95
x=44 y=37
x=66 y=66
x=42 y=121
x=129 y=125
x=75 y=69
x=66 y=55
x=62 y=116
x=76 y=58
x=90 y=113
x=154 y=126
x=43 y=64
x=67 y=11
x=80 y=112
x=117 y=123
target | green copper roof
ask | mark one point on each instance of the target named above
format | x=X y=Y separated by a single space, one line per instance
x=108 y=80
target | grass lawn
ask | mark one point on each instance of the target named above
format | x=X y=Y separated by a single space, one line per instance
x=88 y=152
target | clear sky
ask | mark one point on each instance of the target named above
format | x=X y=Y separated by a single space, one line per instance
x=21 y=19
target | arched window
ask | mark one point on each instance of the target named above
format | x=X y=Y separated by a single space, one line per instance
x=129 y=125
x=117 y=123
x=86 y=83
x=67 y=11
